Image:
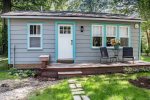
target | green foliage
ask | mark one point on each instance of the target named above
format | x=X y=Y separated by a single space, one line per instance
x=99 y=87
x=114 y=87
x=145 y=58
x=60 y=91
x=147 y=51
x=35 y=5
x=136 y=70
x=144 y=9
x=22 y=73
x=4 y=65
x=127 y=7
x=4 y=75
x=88 y=5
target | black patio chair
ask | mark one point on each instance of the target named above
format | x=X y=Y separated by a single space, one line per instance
x=104 y=55
x=127 y=53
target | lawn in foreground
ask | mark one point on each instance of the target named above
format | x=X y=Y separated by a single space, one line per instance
x=145 y=58
x=60 y=91
x=4 y=75
x=4 y=71
x=100 y=87
x=114 y=87
x=4 y=65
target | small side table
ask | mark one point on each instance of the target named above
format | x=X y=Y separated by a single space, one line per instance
x=116 y=53
x=45 y=60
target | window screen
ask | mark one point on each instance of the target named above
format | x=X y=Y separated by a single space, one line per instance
x=124 y=35
x=110 y=34
x=35 y=36
x=97 y=35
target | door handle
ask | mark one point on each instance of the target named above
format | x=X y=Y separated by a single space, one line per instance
x=71 y=42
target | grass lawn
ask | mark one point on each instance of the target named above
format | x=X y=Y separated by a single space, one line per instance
x=4 y=65
x=4 y=71
x=145 y=58
x=114 y=87
x=100 y=87
x=57 y=92
x=5 y=75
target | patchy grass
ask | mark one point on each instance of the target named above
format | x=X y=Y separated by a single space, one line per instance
x=114 y=87
x=5 y=75
x=145 y=58
x=100 y=87
x=4 y=65
x=4 y=68
x=60 y=91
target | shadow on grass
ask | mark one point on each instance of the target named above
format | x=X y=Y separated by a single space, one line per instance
x=60 y=91
x=145 y=58
x=114 y=87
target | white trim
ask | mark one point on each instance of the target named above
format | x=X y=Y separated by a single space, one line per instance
x=41 y=34
x=83 y=18
x=102 y=35
x=70 y=53
x=111 y=36
x=127 y=36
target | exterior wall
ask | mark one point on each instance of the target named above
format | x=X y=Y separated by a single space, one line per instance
x=19 y=39
x=84 y=52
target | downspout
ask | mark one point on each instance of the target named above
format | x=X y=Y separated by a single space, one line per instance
x=140 y=40
x=14 y=56
x=8 y=31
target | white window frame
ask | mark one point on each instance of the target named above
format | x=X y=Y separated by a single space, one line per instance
x=128 y=35
x=41 y=37
x=101 y=36
x=114 y=36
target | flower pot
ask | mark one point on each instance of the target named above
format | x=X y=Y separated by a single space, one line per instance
x=116 y=46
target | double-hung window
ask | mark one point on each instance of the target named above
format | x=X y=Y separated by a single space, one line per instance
x=124 y=35
x=35 y=36
x=111 y=32
x=97 y=31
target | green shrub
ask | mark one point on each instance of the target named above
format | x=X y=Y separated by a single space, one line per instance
x=22 y=73
x=135 y=70
x=147 y=51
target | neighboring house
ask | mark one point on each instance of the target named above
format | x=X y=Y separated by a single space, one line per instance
x=66 y=35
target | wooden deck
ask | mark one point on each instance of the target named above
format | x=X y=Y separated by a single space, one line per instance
x=57 y=70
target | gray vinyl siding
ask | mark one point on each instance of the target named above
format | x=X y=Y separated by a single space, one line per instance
x=84 y=52
x=19 y=37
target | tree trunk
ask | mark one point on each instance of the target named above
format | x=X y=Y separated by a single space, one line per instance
x=6 y=8
x=148 y=38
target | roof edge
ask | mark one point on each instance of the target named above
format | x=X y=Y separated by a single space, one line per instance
x=77 y=18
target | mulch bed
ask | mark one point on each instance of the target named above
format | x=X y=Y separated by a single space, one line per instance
x=142 y=82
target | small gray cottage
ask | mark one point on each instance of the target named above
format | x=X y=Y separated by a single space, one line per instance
x=65 y=35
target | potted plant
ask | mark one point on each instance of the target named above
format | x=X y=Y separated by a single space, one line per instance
x=115 y=43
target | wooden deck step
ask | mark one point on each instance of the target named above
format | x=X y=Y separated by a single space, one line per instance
x=71 y=72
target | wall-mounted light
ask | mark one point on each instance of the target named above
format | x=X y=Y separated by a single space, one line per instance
x=82 y=29
x=136 y=25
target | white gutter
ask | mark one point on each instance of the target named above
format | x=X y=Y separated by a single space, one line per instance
x=79 y=18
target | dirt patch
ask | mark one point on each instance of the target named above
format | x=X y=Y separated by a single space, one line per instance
x=20 y=88
x=143 y=82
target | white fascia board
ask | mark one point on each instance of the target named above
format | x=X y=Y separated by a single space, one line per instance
x=79 y=18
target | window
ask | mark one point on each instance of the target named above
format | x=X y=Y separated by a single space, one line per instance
x=97 y=31
x=110 y=34
x=124 y=35
x=35 y=36
x=65 y=29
